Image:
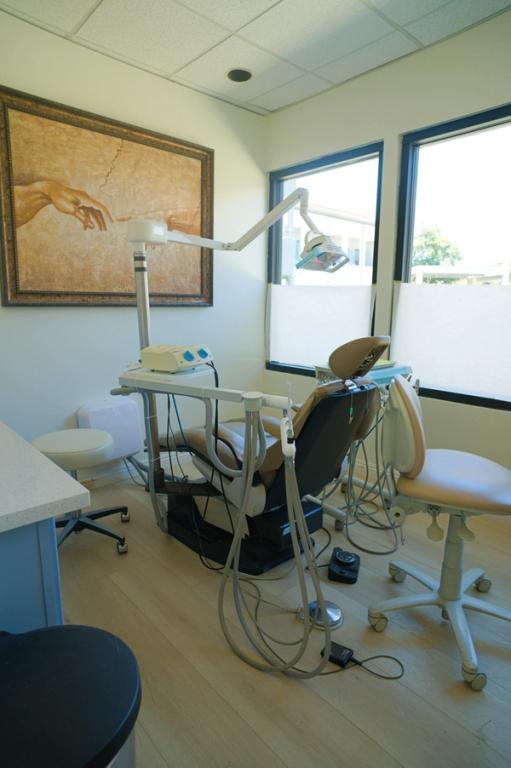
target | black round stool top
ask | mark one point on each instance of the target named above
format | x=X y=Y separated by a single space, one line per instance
x=69 y=697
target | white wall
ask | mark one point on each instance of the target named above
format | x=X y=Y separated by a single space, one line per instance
x=52 y=359
x=466 y=74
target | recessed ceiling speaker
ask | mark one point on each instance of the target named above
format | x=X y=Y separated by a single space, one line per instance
x=239 y=75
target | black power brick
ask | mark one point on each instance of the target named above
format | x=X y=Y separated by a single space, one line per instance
x=343 y=566
x=339 y=654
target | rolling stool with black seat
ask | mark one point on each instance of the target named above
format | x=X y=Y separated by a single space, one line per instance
x=70 y=699
x=74 y=449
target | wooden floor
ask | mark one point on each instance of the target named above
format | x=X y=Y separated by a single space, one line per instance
x=204 y=707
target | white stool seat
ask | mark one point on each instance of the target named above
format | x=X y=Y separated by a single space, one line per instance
x=74 y=449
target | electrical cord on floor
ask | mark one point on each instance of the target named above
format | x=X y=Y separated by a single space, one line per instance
x=362 y=664
x=353 y=662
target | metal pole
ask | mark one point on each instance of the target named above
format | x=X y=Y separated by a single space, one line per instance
x=144 y=331
x=142 y=294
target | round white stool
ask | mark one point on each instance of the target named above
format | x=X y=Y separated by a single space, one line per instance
x=74 y=449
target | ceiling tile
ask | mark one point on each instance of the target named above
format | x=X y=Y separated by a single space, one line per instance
x=382 y=51
x=454 y=17
x=160 y=34
x=58 y=15
x=302 y=88
x=231 y=14
x=405 y=11
x=210 y=70
x=311 y=34
x=252 y=107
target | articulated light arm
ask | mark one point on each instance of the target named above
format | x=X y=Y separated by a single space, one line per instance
x=300 y=195
x=156 y=233
x=319 y=253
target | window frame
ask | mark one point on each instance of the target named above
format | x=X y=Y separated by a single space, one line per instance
x=277 y=179
x=411 y=143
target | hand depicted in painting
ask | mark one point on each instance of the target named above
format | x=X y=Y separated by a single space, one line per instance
x=29 y=199
x=185 y=219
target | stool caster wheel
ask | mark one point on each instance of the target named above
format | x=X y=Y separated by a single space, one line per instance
x=122 y=548
x=339 y=525
x=396 y=574
x=476 y=680
x=125 y=517
x=378 y=623
x=483 y=584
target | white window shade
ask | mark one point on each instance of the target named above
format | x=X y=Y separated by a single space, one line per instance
x=455 y=337
x=307 y=323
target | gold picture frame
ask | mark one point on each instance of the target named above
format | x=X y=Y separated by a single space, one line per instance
x=69 y=182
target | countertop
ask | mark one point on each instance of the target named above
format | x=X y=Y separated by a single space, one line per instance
x=33 y=488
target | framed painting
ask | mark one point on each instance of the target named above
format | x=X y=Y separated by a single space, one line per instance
x=70 y=181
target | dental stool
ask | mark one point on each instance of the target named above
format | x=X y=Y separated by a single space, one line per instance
x=455 y=483
x=74 y=449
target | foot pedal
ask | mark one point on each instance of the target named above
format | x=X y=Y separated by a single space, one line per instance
x=343 y=566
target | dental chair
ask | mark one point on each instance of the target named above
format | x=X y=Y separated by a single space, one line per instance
x=458 y=484
x=325 y=426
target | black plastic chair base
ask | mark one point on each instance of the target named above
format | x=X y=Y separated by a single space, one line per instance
x=87 y=522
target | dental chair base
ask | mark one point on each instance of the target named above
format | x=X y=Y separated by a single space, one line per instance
x=267 y=544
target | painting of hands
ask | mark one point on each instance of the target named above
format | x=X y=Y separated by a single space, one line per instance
x=71 y=182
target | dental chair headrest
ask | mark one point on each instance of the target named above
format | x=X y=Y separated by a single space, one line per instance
x=357 y=357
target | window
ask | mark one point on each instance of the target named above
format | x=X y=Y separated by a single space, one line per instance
x=311 y=313
x=453 y=303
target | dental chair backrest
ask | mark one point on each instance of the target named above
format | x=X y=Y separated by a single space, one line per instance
x=327 y=424
x=404 y=441
x=274 y=457
x=348 y=362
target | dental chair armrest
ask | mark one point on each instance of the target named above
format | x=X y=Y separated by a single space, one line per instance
x=271 y=425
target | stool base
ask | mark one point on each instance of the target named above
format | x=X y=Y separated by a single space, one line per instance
x=80 y=521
